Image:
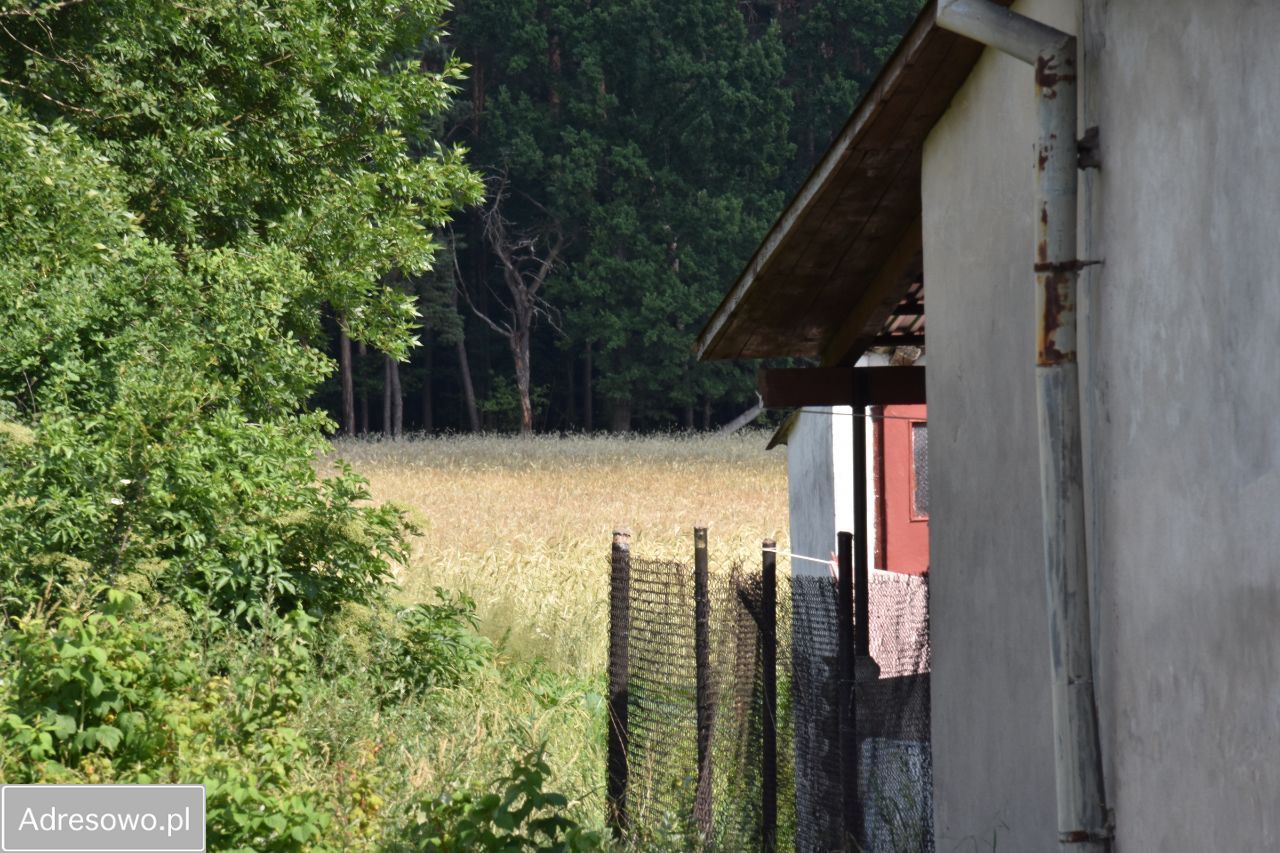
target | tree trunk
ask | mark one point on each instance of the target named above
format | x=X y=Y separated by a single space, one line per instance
x=586 y=390
x=520 y=352
x=348 y=381
x=620 y=417
x=688 y=416
x=742 y=420
x=364 y=394
x=571 y=395
x=397 y=400
x=386 y=396
x=706 y=413
x=464 y=369
x=428 y=412
x=468 y=389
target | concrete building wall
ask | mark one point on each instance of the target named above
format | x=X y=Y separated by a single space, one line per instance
x=992 y=718
x=1183 y=399
x=1182 y=437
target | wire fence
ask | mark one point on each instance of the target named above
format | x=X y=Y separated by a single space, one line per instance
x=728 y=730
x=892 y=720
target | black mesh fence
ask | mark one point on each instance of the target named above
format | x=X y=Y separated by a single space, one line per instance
x=741 y=714
x=819 y=779
x=662 y=706
x=888 y=745
x=895 y=759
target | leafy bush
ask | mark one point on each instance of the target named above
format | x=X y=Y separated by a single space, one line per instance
x=412 y=649
x=152 y=406
x=437 y=645
x=510 y=814
x=85 y=684
x=187 y=193
x=100 y=695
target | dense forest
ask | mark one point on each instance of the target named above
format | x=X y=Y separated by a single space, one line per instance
x=633 y=154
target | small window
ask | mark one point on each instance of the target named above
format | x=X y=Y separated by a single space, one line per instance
x=919 y=470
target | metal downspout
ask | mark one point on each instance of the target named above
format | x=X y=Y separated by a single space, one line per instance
x=1083 y=820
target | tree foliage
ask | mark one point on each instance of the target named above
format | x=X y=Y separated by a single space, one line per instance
x=660 y=138
x=652 y=132
x=187 y=191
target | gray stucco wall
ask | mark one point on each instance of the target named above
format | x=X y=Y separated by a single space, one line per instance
x=1183 y=395
x=1181 y=392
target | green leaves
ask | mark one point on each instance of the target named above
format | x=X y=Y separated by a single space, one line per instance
x=516 y=814
x=208 y=183
x=654 y=132
x=86 y=682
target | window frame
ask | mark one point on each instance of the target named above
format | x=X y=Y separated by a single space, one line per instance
x=913 y=513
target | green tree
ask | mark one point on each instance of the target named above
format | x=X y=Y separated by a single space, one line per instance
x=834 y=49
x=187 y=190
x=652 y=133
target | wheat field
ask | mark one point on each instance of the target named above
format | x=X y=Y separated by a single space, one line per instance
x=524 y=525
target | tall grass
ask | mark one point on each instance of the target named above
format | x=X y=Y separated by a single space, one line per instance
x=524 y=527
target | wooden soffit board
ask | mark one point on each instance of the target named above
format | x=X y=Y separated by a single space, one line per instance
x=787 y=387
x=822 y=264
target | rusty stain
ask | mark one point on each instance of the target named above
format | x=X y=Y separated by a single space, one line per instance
x=1076 y=836
x=1059 y=303
x=1048 y=76
x=1042 y=244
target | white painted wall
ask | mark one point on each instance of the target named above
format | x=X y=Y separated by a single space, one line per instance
x=992 y=718
x=820 y=478
x=819 y=483
x=1183 y=425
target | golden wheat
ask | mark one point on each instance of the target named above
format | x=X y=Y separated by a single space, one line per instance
x=524 y=525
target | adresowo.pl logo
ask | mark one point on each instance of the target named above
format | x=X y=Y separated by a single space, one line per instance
x=102 y=818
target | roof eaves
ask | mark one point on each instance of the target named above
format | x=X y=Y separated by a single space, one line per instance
x=881 y=90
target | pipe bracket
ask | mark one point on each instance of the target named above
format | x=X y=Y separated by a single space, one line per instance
x=1089 y=150
x=1064 y=266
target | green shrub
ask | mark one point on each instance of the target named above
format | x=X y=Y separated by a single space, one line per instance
x=152 y=406
x=436 y=645
x=100 y=694
x=513 y=814
x=412 y=650
x=90 y=683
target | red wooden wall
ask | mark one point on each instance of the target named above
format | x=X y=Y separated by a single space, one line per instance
x=901 y=489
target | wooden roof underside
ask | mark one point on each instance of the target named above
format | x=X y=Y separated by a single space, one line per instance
x=833 y=267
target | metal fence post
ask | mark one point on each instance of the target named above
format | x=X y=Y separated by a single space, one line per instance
x=702 y=658
x=619 y=680
x=848 y=741
x=769 y=658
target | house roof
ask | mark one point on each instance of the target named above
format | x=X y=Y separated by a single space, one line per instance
x=828 y=277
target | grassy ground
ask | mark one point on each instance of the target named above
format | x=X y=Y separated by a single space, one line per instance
x=524 y=527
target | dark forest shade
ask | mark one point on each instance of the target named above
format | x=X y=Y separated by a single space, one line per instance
x=660 y=138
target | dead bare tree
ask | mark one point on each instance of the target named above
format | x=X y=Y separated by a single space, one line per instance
x=527 y=258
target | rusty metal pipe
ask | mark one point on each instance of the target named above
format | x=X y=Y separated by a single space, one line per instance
x=1083 y=819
